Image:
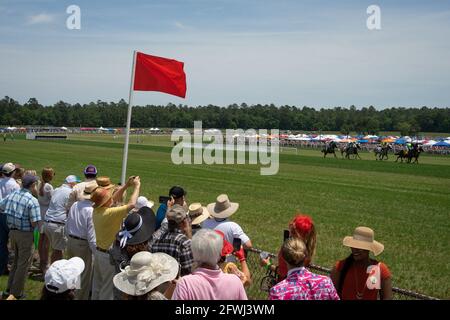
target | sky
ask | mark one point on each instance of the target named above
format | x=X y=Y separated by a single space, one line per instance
x=315 y=53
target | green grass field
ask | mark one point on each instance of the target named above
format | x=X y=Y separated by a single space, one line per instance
x=408 y=206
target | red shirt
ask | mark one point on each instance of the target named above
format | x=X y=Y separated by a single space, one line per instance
x=355 y=281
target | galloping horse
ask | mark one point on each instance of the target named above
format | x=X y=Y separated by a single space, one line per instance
x=350 y=149
x=415 y=153
x=329 y=148
x=401 y=154
x=382 y=151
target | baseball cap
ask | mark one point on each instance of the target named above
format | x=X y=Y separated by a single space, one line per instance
x=176 y=192
x=177 y=213
x=64 y=275
x=8 y=167
x=28 y=180
x=90 y=169
x=72 y=178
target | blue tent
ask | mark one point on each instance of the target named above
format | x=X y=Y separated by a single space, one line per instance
x=363 y=141
x=441 y=144
x=400 y=141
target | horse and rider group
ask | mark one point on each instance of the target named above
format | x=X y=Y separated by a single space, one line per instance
x=409 y=152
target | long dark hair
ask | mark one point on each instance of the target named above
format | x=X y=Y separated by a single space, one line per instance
x=48 y=295
x=347 y=264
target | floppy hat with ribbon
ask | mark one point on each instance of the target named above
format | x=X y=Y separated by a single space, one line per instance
x=197 y=213
x=222 y=208
x=146 y=272
x=363 y=238
x=137 y=227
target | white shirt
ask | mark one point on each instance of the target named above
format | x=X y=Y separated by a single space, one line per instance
x=57 y=208
x=79 y=222
x=229 y=228
x=44 y=200
x=7 y=185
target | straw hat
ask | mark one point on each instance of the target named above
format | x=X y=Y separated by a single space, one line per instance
x=89 y=189
x=146 y=272
x=363 y=238
x=101 y=196
x=197 y=213
x=105 y=182
x=222 y=208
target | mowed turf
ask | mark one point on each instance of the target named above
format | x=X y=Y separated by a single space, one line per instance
x=408 y=206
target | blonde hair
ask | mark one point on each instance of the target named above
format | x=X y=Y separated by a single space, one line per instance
x=294 y=252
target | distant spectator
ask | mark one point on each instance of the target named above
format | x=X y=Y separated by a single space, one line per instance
x=147 y=277
x=301 y=284
x=22 y=216
x=45 y=190
x=221 y=210
x=197 y=214
x=208 y=282
x=90 y=173
x=176 y=241
x=358 y=277
x=301 y=227
x=178 y=196
x=56 y=216
x=81 y=237
x=7 y=186
x=62 y=279
x=107 y=222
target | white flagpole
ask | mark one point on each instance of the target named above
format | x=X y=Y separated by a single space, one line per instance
x=127 y=133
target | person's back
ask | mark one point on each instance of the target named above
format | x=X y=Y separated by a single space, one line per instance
x=302 y=284
x=57 y=208
x=7 y=186
x=177 y=245
x=206 y=284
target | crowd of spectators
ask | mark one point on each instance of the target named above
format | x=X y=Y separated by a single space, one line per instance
x=105 y=247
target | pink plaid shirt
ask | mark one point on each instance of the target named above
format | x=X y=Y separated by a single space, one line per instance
x=301 y=284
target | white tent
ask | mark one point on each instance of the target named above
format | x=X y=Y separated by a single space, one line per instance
x=63 y=128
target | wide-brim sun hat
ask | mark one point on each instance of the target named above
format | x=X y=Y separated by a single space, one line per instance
x=137 y=227
x=363 y=238
x=198 y=213
x=89 y=189
x=146 y=272
x=223 y=207
x=104 y=182
x=101 y=196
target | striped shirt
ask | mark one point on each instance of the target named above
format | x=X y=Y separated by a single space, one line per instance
x=177 y=245
x=21 y=208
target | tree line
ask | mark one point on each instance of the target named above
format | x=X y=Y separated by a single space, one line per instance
x=367 y=120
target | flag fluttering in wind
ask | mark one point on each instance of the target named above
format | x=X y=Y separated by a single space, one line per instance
x=152 y=73
x=159 y=74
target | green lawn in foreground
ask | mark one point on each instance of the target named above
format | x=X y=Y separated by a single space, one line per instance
x=408 y=206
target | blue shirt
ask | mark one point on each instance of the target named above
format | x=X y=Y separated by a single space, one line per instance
x=20 y=208
x=160 y=215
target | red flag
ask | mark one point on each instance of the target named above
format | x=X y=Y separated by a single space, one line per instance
x=159 y=74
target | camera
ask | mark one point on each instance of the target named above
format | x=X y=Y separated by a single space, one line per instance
x=237 y=244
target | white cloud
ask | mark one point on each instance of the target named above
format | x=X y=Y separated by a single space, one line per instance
x=40 y=18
